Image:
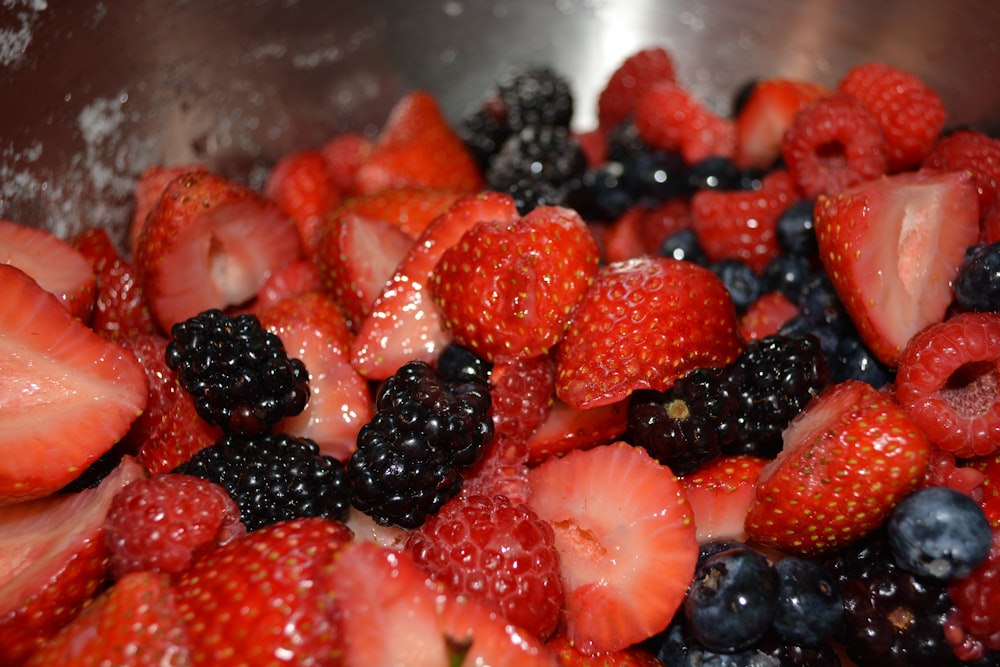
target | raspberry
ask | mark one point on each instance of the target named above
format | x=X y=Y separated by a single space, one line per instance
x=161 y=523
x=670 y=118
x=973 y=151
x=976 y=599
x=627 y=84
x=522 y=391
x=832 y=144
x=741 y=224
x=910 y=113
x=949 y=382
x=497 y=552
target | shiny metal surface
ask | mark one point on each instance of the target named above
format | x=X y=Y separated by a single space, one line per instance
x=93 y=92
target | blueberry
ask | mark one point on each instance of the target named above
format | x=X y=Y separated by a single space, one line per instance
x=939 y=532
x=810 y=608
x=678 y=649
x=655 y=174
x=795 y=231
x=732 y=600
x=853 y=360
x=684 y=245
x=741 y=281
x=977 y=285
x=788 y=274
x=606 y=186
x=714 y=173
x=712 y=547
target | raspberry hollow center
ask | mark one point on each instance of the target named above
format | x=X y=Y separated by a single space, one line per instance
x=972 y=390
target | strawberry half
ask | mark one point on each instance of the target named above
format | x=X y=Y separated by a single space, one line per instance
x=53 y=558
x=721 y=493
x=302 y=187
x=68 y=395
x=767 y=114
x=892 y=247
x=642 y=324
x=626 y=542
x=847 y=460
x=565 y=429
x=210 y=243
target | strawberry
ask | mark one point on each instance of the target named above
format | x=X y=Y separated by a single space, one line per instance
x=178 y=434
x=626 y=542
x=302 y=187
x=721 y=493
x=135 y=623
x=344 y=154
x=766 y=315
x=594 y=144
x=641 y=325
x=148 y=189
x=570 y=656
x=509 y=288
x=54 y=264
x=832 y=144
x=68 y=395
x=120 y=309
x=163 y=388
x=293 y=279
x=313 y=329
x=478 y=635
x=404 y=322
x=847 y=460
x=947 y=381
x=265 y=595
x=910 y=113
x=664 y=220
x=53 y=558
x=765 y=116
x=210 y=243
x=741 y=224
x=356 y=256
x=973 y=151
x=565 y=429
x=624 y=237
x=892 y=247
x=670 y=118
x=633 y=77
x=409 y=208
x=418 y=147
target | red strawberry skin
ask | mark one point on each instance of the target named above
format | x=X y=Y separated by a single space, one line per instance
x=633 y=77
x=720 y=494
x=148 y=189
x=303 y=188
x=509 y=289
x=892 y=246
x=642 y=324
x=848 y=458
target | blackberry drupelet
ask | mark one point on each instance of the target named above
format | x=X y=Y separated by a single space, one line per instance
x=540 y=165
x=410 y=456
x=535 y=95
x=687 y=425
x=274 y=477
x=239 y=374
x=483 y=131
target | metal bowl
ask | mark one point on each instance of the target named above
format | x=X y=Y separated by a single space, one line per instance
x=94 y=92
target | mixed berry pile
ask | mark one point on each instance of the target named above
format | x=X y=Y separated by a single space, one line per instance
x=686 y=388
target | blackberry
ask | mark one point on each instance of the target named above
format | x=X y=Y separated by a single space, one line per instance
x=687 y=425
x=239 y=374
x=775 y=377
x=540 y=165
x=483 y=131
x=810 y=608
x=535 y=95
x=274 y=477
x=409 y=457
x=977 y=286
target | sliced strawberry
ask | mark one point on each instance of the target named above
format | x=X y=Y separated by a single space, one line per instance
x=54 y=264
x=767 y=114
x=210 y=243
x=417 y=146
x=721 y=493
x=404 y=322
x=313 y=329
x=135 y=623
x=565 y=429
x=302 y=187
x=847 y=460
x=266 y=595
x=148 y=189
x=626 y=542
x=120 y=309
x=176 y=436
x=892 y=247
x=670 y=118
x=356 y=256
x=949 y=382
x=570 y=656
x=624 y=238
x=293 y=279
x=663 y=221
x=478 y=635
x=409 y=208
x=53 y=558
x=633 y=77
x=642 y=324
x=68 y=395
x=509 y=288
x=344 y=154
x=766 y=315
x=151 y=350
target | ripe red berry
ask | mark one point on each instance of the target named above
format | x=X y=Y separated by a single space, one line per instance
x=972 y=151
x=627 y=84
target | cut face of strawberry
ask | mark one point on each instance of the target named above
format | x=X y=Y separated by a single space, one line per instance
x=720 y=494
x=68 y=395
x=565 y=429
x=626 y=542
x=52 y=559
x=892 y=247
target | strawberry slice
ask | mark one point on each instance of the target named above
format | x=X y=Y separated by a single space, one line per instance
x=768 y=112
x=410 y=208
x=210 y=243
x=847 y=460
x=148 y=189
x=68 y=395
x=766 y=315
x=292 y=279
x=626 y=542
x=55 y=265
x=314 y=330
x=565 y=429
x=624 y=237
x=344 y=154
x=404 y=322
x=302 y=187
x=642 y=324
x=720 y=494
x=570 y=656
x=633 y=77
x=892 y=247
x=53 y=558
x=480 y=636
x=134 y=623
